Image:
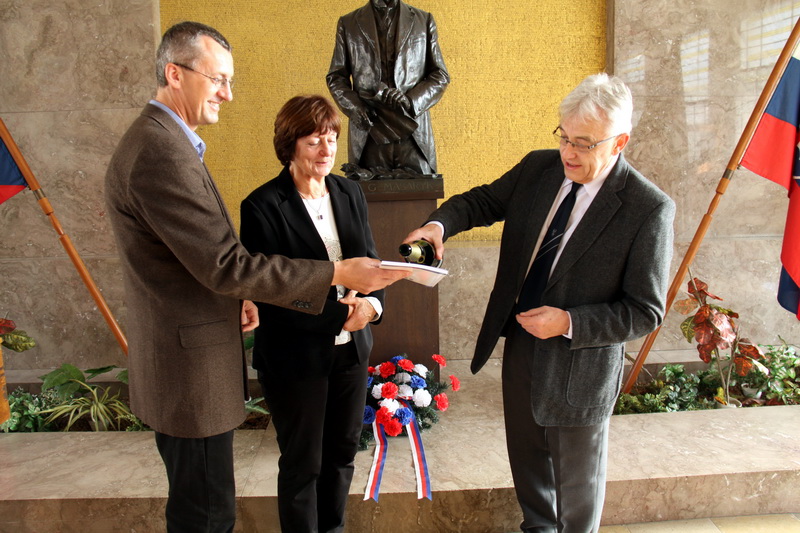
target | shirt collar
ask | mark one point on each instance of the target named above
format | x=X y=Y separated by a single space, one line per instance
x=194 y=138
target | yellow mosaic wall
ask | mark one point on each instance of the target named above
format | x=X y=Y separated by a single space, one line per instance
x=510 y=63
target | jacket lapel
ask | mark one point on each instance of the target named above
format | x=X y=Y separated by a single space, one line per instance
x=405 y=23
x=542 y=192
x=343 y=214
x=296 y=215
x=594 y=221
x=366 y=23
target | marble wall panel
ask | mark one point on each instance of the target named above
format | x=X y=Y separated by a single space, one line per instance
x=76 y=54
x=696 y=70
x=74 y=74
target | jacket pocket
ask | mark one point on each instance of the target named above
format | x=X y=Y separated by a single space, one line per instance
x=205 y=334
x=595 y=376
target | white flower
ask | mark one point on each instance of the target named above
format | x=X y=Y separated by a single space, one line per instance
x=422 y=398
x=405 y=391
x=402 y=377
x=376 y=391
x=391 y=405
x=422 y=370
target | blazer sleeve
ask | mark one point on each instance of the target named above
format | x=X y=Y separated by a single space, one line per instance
x=176 y=201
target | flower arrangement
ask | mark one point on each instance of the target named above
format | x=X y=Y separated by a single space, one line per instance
x=399 y=389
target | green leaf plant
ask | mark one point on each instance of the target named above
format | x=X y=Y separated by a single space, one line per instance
x=80 y=399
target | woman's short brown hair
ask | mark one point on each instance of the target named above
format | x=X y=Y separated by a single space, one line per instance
x=302 y=116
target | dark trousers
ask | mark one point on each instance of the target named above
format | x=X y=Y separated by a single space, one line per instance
x=559 y=472
x=318 y=422
x=202 y=491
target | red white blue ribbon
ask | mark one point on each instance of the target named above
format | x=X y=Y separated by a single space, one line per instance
x=379 y=460
x=418 y=453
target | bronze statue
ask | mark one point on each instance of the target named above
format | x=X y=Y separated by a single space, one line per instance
x=386 y=73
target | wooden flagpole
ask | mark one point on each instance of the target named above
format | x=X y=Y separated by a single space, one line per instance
x=44 y=203
x=733 y=164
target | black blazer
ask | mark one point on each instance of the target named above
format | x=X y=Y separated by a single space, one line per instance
x=274 y=220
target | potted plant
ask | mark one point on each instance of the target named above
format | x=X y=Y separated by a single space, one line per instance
x=84 y=400
x=716 y=333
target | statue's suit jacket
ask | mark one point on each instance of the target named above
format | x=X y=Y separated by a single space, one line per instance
x=419 y=70
x=275 y=221
x=185 y=274
x=612 y=277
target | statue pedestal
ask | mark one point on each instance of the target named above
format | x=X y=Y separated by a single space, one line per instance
x=411 y=314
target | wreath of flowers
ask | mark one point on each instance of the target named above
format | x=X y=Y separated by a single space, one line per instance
x=401 y=379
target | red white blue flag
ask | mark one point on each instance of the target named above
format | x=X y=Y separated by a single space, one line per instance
x=11 y=180
x=773 y=153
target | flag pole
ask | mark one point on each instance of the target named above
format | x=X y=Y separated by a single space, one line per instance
x=44 y=203
x=722 y=186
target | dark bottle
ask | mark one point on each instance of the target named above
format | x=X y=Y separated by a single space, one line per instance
x=420 y=252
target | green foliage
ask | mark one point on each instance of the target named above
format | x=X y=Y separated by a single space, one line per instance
x=80 y=399
x=103 y=410
x=27 y=411
x=674 y=390
x=67 y=379
x=17 y=340
x=253 y=406
x=779 y=384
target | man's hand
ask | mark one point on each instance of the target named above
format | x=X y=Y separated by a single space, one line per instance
x=544 y=322
x=249 y=316
x=362 y=118
x=362 y=314
x=395 y=98
x=364 y=274
x=431 y=233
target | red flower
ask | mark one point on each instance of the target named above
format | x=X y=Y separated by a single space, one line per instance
x=455 y=383
x=389 y=390
x=370 y=370
x=406 y=365
x=442 y=403
x=386 y=369
x=439 y=359
x=383 y=416
x=393 y=427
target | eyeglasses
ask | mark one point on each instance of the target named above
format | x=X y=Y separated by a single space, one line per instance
x=219 y=83
x=583 y=148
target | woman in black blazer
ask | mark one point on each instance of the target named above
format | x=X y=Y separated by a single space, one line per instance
x=312 y=368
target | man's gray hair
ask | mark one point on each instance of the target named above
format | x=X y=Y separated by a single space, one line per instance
x=180 y=45
x=602 y=98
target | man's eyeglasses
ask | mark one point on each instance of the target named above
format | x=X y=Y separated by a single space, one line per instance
x=579 y=147
x=219 y=83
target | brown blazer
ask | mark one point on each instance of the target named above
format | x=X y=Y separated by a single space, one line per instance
x=185 y=275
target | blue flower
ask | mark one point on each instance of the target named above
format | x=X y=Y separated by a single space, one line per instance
x=370 y=379
x=418 y=383
x=369 y=415
x=396 y=358
x=403 y=415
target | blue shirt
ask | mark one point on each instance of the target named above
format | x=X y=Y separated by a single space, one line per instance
x=194 y=138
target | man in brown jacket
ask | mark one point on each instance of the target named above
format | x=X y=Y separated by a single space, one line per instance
x=189 y=281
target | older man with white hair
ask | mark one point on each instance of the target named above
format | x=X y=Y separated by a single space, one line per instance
x=584 y=265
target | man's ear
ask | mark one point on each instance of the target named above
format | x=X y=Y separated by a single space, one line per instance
x=621 y=142
x=173 y=74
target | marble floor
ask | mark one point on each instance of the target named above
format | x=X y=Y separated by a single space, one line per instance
x=689 y=467
x=784 y=523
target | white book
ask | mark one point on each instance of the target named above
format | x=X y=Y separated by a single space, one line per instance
x=422 y=274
